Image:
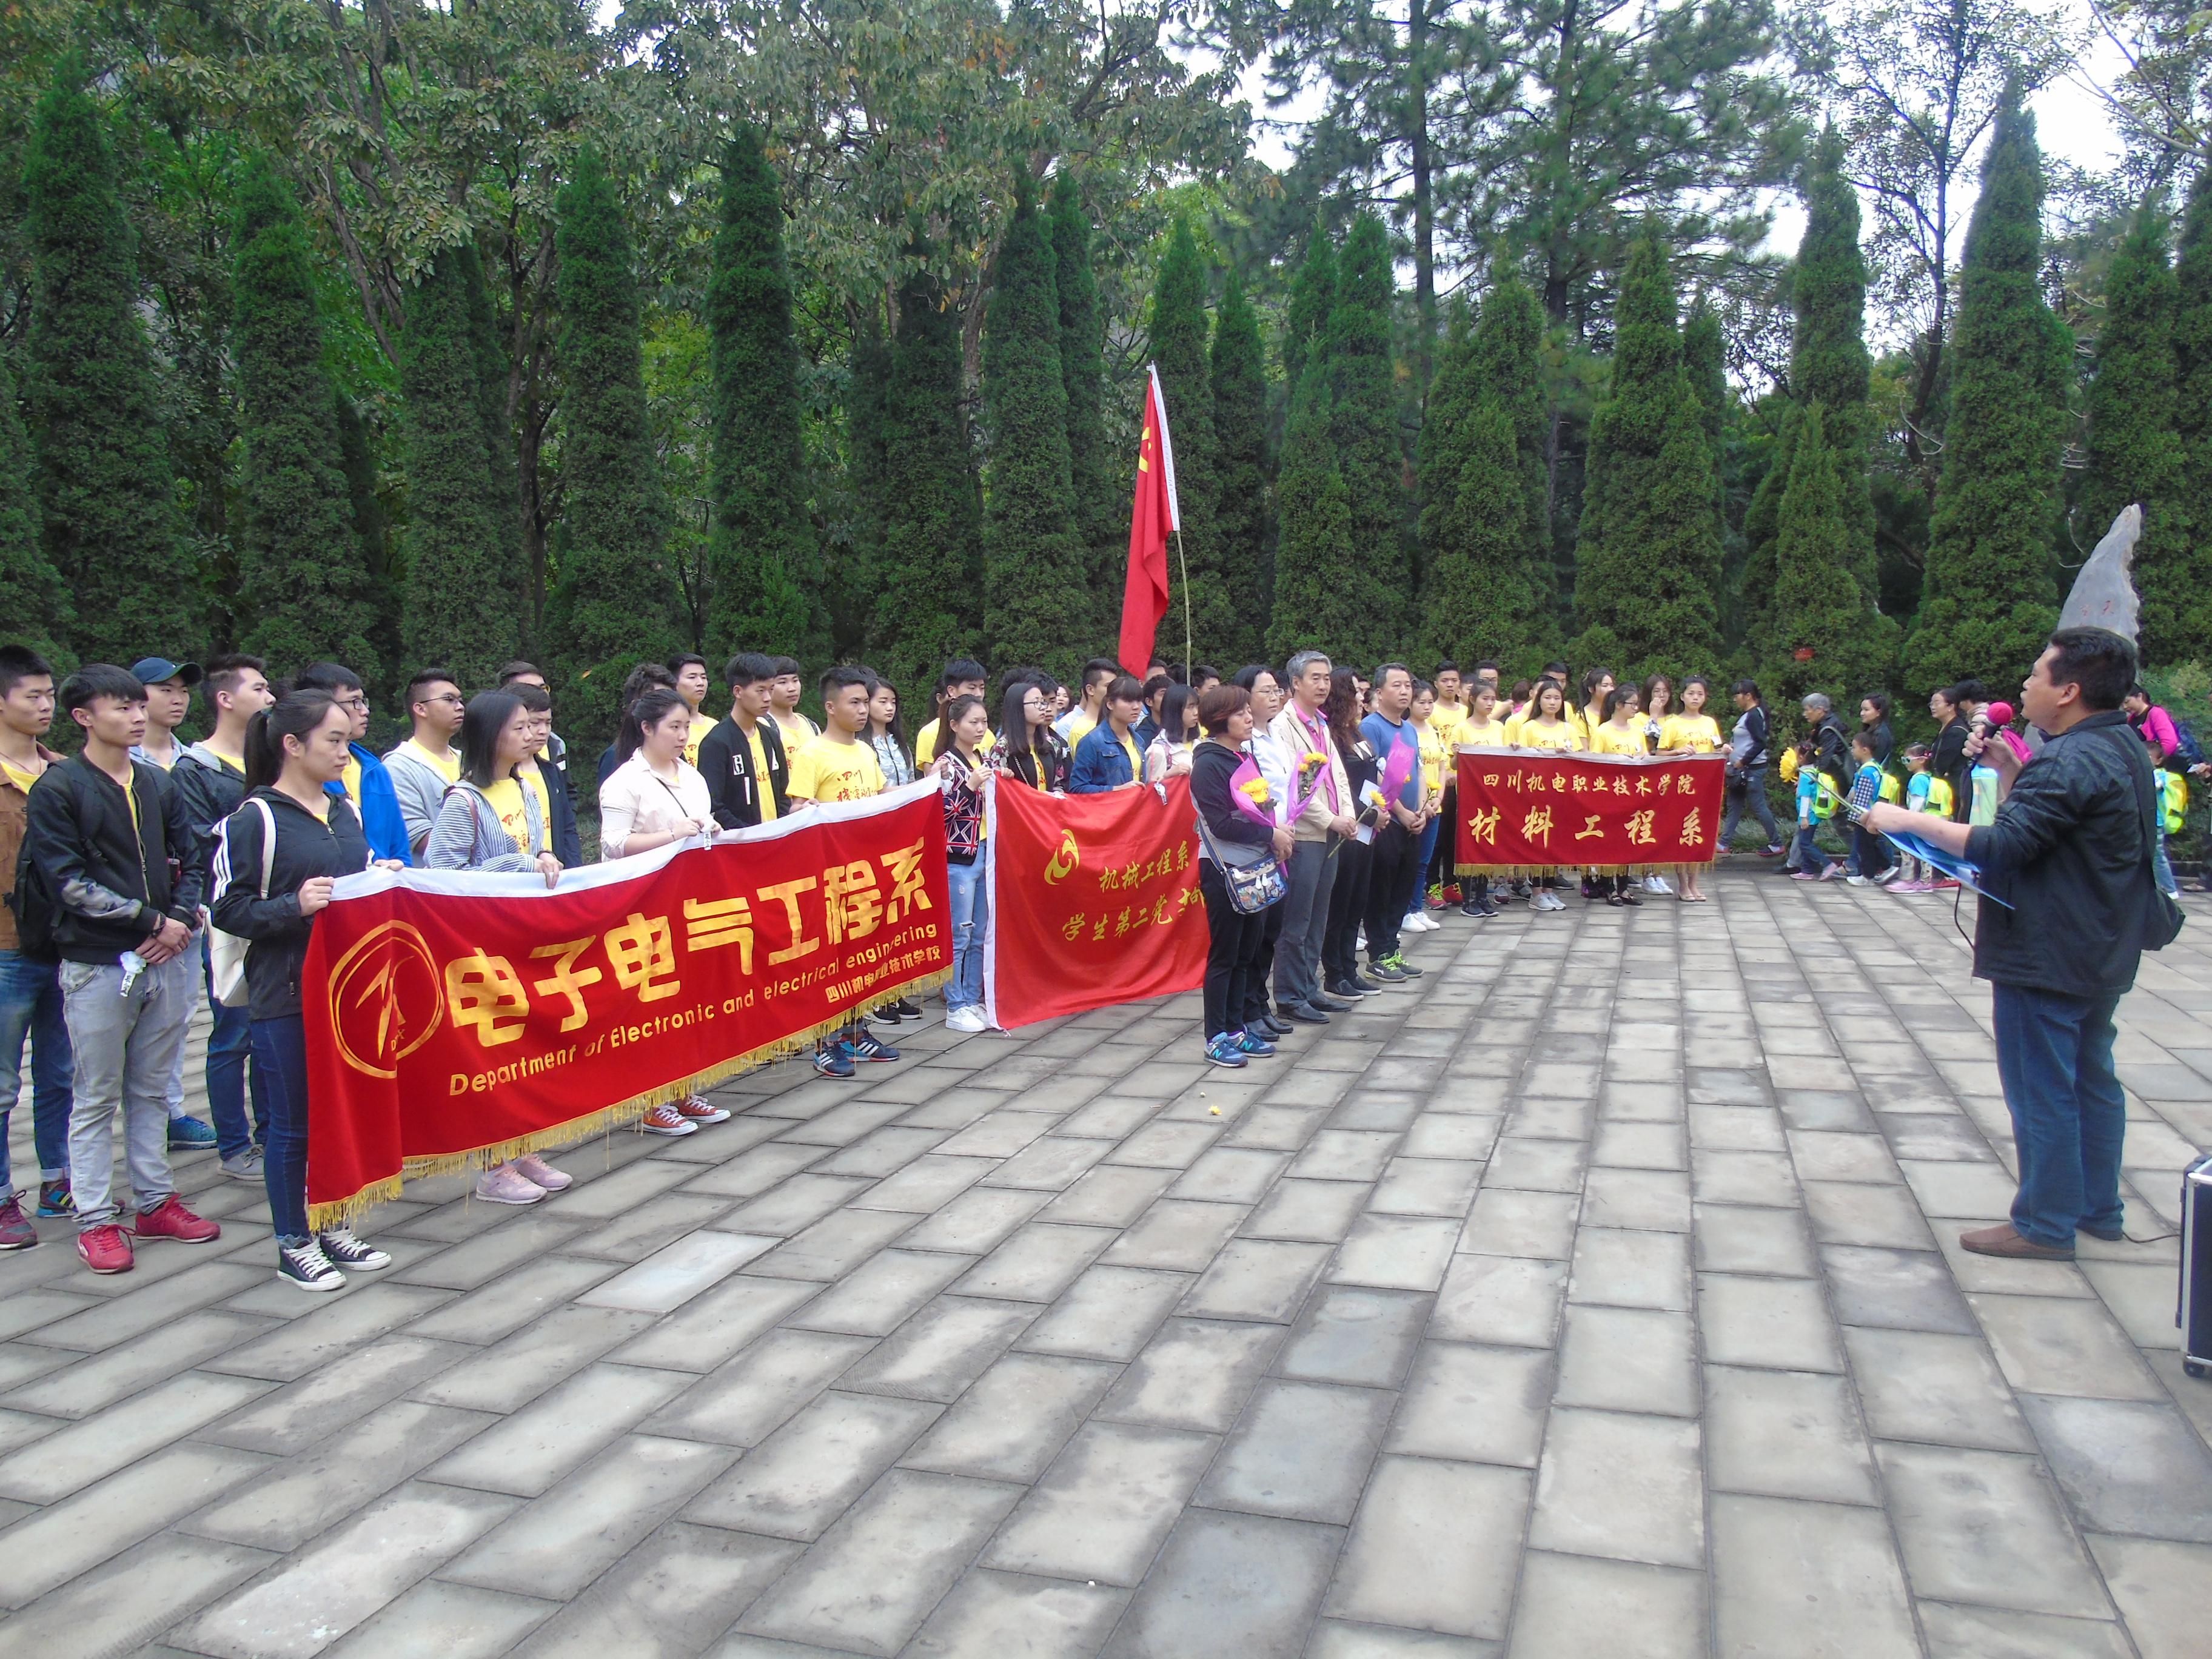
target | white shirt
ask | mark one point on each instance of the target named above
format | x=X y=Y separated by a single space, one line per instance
x=637 y=800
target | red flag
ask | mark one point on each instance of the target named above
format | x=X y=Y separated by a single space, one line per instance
x=1144 y=599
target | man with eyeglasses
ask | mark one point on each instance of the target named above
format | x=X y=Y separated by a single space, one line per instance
x=366 y=782
x=427 y=765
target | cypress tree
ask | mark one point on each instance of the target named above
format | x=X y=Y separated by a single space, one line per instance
x=104 y=481
x=930 y=574
x=1647 y=565
x=1315 y=575
x=763 y=559
x=1990 y=599
x=33 y=601
x=1036 y=588
x=1186 y=387
x=371 y=530
x=614 y=601
x=1101 y=520
x=2135 y=453
x=1486 y=580
x=1305 y=318
x=853 y=579
x=301 y=576
x=459 y=608
x=505 y=502
x=1240 y=424
x=1364 y=426
x=1703 y=363
x=1817 y=602
x=2192 y=362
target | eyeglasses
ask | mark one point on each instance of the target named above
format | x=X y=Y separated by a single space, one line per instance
x=454 y=697
x=353 y=705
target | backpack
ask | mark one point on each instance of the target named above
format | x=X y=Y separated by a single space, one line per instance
x=2187 y=750
x=34 y=910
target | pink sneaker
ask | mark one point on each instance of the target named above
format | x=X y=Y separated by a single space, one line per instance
x=171 y=1219
x=508 y=1185
x=665 y=1119
x=534 y=1168
x=697 y=1108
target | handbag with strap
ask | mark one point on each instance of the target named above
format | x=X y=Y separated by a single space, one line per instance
x=227 y=951
x=1251 y=887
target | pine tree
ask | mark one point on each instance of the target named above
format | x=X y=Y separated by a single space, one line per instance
x=1240 y=425
x=615 y=600
x=1035 y=582
x=1647 y=565
x=1990 y=599
x=1704 y=366
x=1187 y=388
x=2192 y=363
x=1818 y=605
x=105 y=482
x=302 y=577
x=505 y=502
x=33 y=601
x=763 y=562
x=1828 y=365
x=459 y=609
x=851 y=576
x=1315 y=603
x=372 y=534
x=930 y=576
x=1305 y=319
x=2135 y=453
x=1364 y=426
x=1101 y=517
x=1486 y=580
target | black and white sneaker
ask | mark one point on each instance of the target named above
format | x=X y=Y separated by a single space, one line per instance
x=340 y=1246
x=908 y=1010
x=305 y=1267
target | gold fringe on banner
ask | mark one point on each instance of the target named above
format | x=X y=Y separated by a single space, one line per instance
x=342 y=1212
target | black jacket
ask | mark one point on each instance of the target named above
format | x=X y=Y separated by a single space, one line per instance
x=561 y=833
x=2070 y=852
x=211 y=791
x=306 y=847
x=1211 y=766
x=725 y=761
x=110 y=887
x=1949 y=762
x=1832 y=751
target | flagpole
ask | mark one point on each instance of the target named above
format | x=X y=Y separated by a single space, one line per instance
x=1183 y=567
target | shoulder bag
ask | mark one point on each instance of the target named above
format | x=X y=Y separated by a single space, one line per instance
x=227 y=951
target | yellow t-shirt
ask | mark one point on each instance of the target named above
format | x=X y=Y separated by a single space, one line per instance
x=1561 y=739
x=1492 y=734
x=797 y=730
x=1136 y=759
x=1610 y=739
x=1513 y=724
x=448 y=765
x=536 y=779
x=22 y=780
x=700 y=725
x=765 y=789
x=1434 y=755
x=925 y=745
x=1446 y=719
x=1698 y=734
x=351 y=778
x=1079 y=726
x=506 y=798
x=826 y=770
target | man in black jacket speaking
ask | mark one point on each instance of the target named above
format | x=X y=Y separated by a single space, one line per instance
x=2070 y=851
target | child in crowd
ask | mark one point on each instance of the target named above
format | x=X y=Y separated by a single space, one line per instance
x=1870 y=782
x=1812 y=862
x=1910 y=875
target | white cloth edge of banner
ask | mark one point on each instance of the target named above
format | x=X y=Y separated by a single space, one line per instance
x=1167 y=450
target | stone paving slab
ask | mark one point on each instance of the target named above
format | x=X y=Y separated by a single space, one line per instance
x=1597 y=1293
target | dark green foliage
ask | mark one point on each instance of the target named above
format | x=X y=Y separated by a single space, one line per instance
x=2192 y=364
x=104 y=481
x=763 y=562
x=372 y=531
x=1817 y=602
x=1486 y=581
x=492 y=357
x=303 y=582
x=1989 y=597
x=1313 y=297
x=929 y=586
x=1371 y=452
x=1187 y=389
x=1647 y=567
x=2136 y=455
x=1317 y=588
x=851 y=575
x=1239 y=425
x=462 y=606
x=1102 y=507
x=34 y=608
x=1036 y=592
x=1704 y=367
x=616 y=598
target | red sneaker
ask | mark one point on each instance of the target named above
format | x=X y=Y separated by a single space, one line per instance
x=171 y=1219
x=16 y=1233
x=106 y=1248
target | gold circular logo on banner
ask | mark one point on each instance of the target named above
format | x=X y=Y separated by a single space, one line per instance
x=1064 y=860
x=386 y=999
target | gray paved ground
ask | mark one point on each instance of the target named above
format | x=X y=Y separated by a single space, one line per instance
x=1599 y=1295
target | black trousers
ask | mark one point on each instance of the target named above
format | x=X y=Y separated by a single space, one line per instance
x=1347 y=909
x=1394 y=873
x=1439 y=873
x=1263 y=964
x=1231 y=950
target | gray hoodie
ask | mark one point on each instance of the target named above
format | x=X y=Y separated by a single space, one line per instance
x=420 y=788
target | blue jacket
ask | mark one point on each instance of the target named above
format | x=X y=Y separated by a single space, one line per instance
x=1100 y=763
x=380 y=808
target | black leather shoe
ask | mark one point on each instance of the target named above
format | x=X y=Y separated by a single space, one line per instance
x=1306 y=1014
x=1328 y=1005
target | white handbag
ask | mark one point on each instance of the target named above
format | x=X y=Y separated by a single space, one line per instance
x=227 y=951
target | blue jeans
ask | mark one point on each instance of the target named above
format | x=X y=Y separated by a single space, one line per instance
x=1425 y=853
x=971 y=922
x=229 y=1039
x=2055 y=1060
x=280 y=1065
x=31 y=1006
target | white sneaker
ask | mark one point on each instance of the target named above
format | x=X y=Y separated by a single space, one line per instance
x=1658 y=884
x=968 y=1019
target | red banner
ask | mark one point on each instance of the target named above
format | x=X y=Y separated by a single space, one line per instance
x=1094 y=901
x=1523 y=809
x=454 y=1021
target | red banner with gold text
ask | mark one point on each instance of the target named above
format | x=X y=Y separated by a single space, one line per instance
x=457 y=1020
x=1522 y=809
x=1094 y=901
